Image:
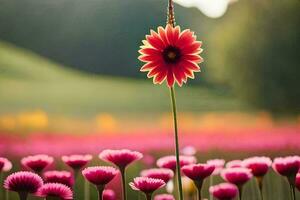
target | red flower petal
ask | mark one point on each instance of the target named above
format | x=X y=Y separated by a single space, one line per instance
x=185 y=38
x=148 y=66
x=163 y=35
x=194 y=48
x=170 y=78
x=149 y=58
x=155 y=41
x=149 y=51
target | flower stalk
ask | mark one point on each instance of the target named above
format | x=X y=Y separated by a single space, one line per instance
x=123 y=177
x=174 y=110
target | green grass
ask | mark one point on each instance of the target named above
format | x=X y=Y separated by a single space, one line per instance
x=29 y=81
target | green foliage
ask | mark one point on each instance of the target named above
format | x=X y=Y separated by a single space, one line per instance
x=255 y=49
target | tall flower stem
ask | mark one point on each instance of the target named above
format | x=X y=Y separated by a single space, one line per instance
x=100 y=190
x=240 y=191
x=259 y=181
x=86 y=190
x=148 y=196
x=211 y=182
x=199 y=187
x=23 y=195
x=174 y=110
x=123 y=176
x=293 y=192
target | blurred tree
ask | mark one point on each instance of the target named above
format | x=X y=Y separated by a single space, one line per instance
x=255 y=49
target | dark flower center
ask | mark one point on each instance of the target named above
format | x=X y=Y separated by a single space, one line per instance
x=171 y=54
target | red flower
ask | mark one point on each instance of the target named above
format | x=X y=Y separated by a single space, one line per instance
x=63 y=177
x=163 y=174
x=198 y=172
x=170 y=54
x=99 y=175
x=287 y=166
x=77 y=162
x=147 y=185
x=169 y=162
x=23 y=182
x=57 y=190
x=37 y=163
x=238 y=176
x=224 y=191
x=259 y=165
x=120 y=158
x=5 y=165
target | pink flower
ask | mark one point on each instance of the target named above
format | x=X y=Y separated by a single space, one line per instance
x=37 y=163
x=99 y=175
x=287 y=166
x=198 y=172
x=238 y=176
x=189 y=151
x=23 y=182
x=147 y=185
x=109 y=195
x=63 y=177
x=171 y=55
x=219 y=165
x=298 y=181
x=234 y=163
x=163 y=174
x=5 y=165
x=259 y=165
x=121 y=158
x=77 y=162
x=57 y=190
x=169 y=162
x=224 y=191
x=164 y=197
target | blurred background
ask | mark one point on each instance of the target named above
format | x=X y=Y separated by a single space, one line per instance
x=70 y=80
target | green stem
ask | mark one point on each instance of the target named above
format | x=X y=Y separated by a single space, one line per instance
x=100 y=190
x=123 y=176
x=199 y=187
x=240 y=191
x=173 y=102
x=211 y=182
x=86 y=190
x=148 y=196
x=259 y=181
x=293 y=193
x=23 y=195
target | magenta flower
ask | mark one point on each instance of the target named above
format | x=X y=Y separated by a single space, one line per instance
x=234 y=163
x=224 y=191
x=238 y=176
x=147 y=185
x=288 y=167
x=298 y=181
x=198 y=172
x=121 y=158
x=56 y=191
x=77 y=162
x=99 y=176
x=169 y=162
x=37 y=163
x=219 y=165
x=109 y=195
x=164 y=197
x=163 y=174
x=23 y=183
x=259 y=166
x=63 y=177
x=5 y=165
